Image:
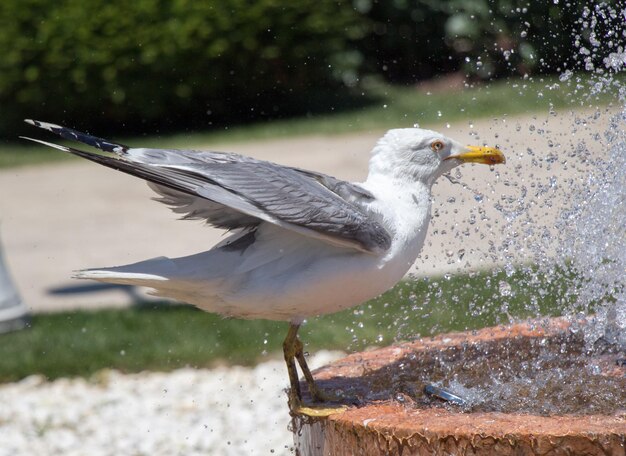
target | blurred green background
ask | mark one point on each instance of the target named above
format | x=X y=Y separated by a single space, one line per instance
x=181 y=65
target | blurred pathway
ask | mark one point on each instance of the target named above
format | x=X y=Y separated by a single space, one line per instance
x=58 y=218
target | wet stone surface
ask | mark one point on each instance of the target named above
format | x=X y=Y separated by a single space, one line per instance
x=542 y=369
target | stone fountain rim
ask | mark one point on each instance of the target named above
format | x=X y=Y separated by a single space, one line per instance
x=400 y=419
x=392 y=417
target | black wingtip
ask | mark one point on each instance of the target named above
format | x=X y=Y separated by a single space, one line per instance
x=45 y=125
x=75 y=135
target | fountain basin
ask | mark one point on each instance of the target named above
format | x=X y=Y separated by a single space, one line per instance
x=533 y=388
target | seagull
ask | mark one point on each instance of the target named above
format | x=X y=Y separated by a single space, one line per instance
x=301 y=243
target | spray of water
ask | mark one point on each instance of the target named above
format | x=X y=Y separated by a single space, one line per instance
x=597 y=249
x=554 y=221
x=593 y=223
x=559 y=226
x=584 y=249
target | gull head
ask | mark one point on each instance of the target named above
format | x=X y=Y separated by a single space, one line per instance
x=411 y=154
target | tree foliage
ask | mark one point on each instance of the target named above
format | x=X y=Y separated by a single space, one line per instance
x=416 y=39
x=157 y=62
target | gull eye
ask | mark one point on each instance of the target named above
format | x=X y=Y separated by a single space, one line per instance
x=437 y=146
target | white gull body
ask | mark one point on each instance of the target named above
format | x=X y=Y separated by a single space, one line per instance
x=284 y=262
x=284 y=275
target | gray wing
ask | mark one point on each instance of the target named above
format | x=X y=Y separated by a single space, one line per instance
x=232 y=191
x=196 y=208
x=285 y=196
x=192 y=207
x=347 y=190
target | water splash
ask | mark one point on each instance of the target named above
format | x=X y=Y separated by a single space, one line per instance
x=553 y=220
x=594 y=222
x=597 y=221
x=559 y=229
x=565 y=220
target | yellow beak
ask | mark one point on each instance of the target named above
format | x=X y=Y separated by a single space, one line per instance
x=481 y=154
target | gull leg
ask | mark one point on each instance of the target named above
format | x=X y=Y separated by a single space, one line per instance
x=289 y=351
x=293 y=350
x=316 y=393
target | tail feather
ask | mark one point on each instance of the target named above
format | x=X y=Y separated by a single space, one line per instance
x=165 y=279
x=74 y=135
x=143 y=273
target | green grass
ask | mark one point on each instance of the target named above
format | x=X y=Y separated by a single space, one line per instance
x=18 y=154
x=391 y=106
x=161 y=337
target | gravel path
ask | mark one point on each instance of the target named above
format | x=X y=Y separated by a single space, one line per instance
x=222 y=411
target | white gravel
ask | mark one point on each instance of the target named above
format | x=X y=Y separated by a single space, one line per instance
x=222 y=411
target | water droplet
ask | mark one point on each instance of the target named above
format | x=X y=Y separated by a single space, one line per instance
x=565 y=76
x=504 y=288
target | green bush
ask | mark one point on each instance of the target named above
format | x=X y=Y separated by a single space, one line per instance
x=405 y=40
x=503 y=37
x=410 y=40
x=150 y=64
